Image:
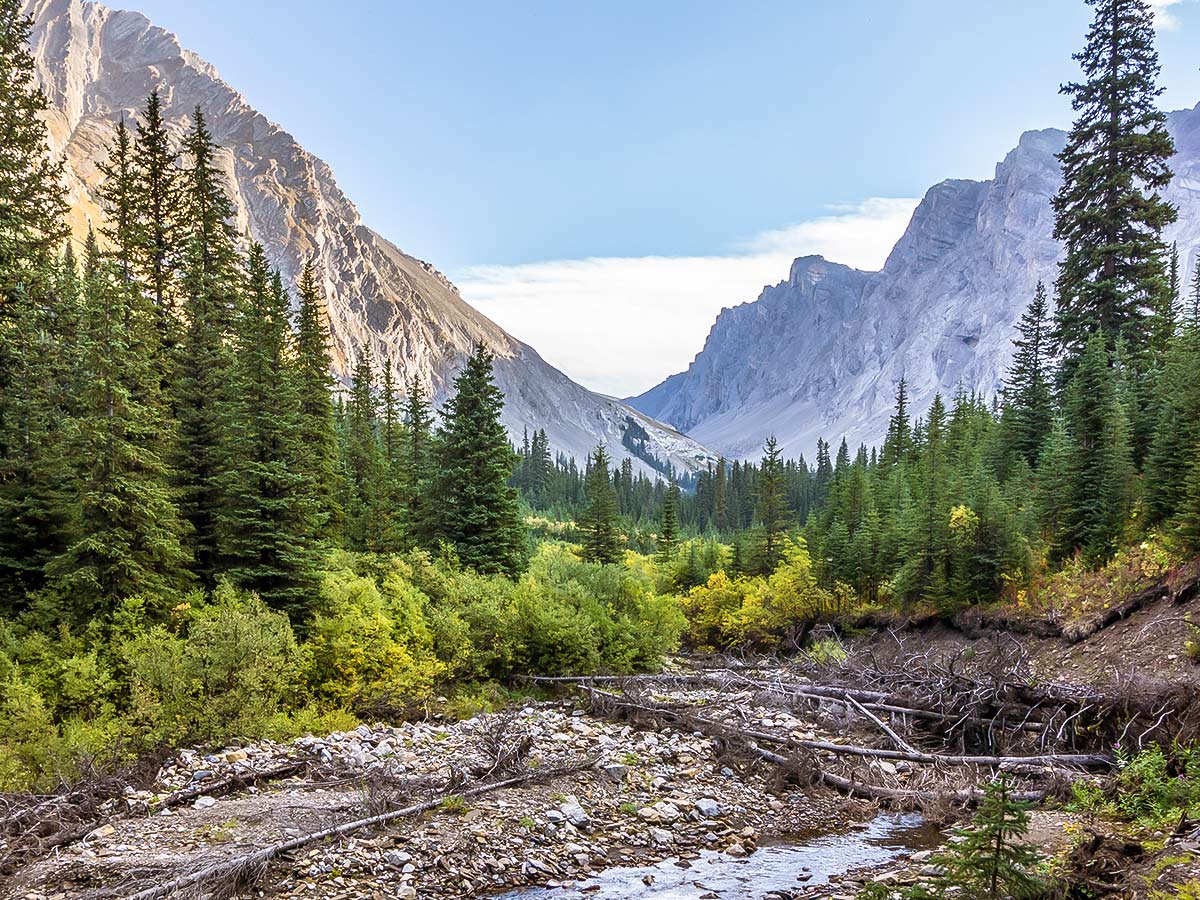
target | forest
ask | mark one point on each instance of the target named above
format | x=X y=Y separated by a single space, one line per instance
x=205 y=535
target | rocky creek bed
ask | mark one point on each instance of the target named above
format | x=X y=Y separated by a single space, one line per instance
x=599 y=789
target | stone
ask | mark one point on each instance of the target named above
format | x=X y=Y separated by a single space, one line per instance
x=205 y=802
x=708 y=807
x=574 y=812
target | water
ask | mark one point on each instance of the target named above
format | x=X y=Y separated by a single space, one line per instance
x=773 y=867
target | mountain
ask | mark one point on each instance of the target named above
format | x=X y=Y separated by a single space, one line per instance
x=821 y=353
x=97 y=65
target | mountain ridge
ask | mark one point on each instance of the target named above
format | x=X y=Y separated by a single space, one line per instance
x=820 y=354
x=97 y=65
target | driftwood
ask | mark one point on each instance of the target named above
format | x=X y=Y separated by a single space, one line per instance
x=247 y=868
x=218 y=786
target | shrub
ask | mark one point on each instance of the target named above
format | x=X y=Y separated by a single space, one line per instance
x=226 y=670
x=369 y=644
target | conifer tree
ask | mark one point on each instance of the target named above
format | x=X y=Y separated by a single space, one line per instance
x=418 y=469
x=1108 y=212
x=771 y=511
x=33 y=477
x=477 y=511
x=1028 y=395
x=318 y=465
x=1194 y=297
x=129 y=534
x=157 y=198
x=265 y=524
x=598 y=520
x=899 y=436
x=1165 y=314
x=720 y=516
x=1176 y=442
x=210 y=275
x=1101 y=468
x=363 y=461
x=668 y=528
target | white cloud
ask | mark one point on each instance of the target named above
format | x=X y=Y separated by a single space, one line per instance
x=1163 y=19
x=620 y=325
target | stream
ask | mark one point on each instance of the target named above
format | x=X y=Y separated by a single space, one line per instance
x=779 y=865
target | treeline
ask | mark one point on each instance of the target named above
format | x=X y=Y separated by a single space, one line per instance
x=167 y=423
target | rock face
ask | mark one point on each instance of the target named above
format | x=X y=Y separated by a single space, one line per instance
x=97 y=65
x=821 y=353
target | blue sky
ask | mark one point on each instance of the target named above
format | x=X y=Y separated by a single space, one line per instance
x=487 y=137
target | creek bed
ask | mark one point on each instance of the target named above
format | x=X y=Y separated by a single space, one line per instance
x=779 y=866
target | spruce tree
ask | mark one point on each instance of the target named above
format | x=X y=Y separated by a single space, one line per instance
x=1028 y=395
x=668 y=528
x=363 y=462
x=418 y=467
x=158 y=230
x=33 y=478
x=598 y=520
x=314 y=385
x=1101 y=471
x=266 y=523
x=477 y=511
x=210 y=276
x=129 y=533
x=771 y=510
x=1109 y=213
x=1176 y=442
x=990 y=860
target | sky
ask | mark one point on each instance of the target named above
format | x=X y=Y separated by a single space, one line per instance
x=603 y=178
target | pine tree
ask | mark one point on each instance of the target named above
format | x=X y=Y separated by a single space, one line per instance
x=990 y=860
x=720 y=516
x=318 y=465
x=477 y=513
x=1165 y=314
x=898 y=441
x=418 y=474
x=1176 y=441
x=1109 y=212
x=1101 y=462
x=771 y=511
x=265 y=525
x=1194 y=297
x=158 y=233
x=34 y=511
x=210 y=275
x=129 y=534
x=363 y=461
x=668 y=528
x=1028 y=396
x=598 y=520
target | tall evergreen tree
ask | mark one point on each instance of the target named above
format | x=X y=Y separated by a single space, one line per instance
x=129 y=534
x=158 y=236
x=598 y=520
x=265 y=524
x=771 y=510
x=418 y=468
x=32 y=475
x=314 y=385
x=898 y=441
x=363 y=462
x=1109 y=212
x=477 y=510
x=668 y=527
x=1101 y=468
x=210 y=277
x=1028 y=395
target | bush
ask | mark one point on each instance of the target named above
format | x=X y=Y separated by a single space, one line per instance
x=368 y=644
x=228 y=667
x=1151 y=788
x=761 y=611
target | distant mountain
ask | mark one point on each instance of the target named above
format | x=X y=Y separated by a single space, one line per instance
x=97 y=65
x=821 y=353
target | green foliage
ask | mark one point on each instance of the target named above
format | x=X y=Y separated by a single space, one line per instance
x=990 y=861
x=1152 y=788
x=223 y=669
x=598 y=520
x=477 y=513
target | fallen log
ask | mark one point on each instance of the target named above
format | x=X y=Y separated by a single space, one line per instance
x=224 y=785
x=1041 y=761
x=246 y=868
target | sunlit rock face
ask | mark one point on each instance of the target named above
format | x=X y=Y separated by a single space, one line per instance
x=821 y=353
x=98 y=65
